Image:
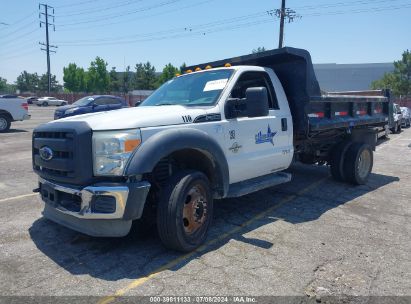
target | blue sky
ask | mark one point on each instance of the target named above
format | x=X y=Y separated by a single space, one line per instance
x=125 y=32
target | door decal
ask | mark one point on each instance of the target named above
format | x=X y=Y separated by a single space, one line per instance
x=261 y=137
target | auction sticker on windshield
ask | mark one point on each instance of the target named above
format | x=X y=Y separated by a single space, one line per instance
x=214 y=85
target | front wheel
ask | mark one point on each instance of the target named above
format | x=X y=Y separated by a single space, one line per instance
x=5 y=123
x=45 y=104
x=358 y=163
x=185 y=211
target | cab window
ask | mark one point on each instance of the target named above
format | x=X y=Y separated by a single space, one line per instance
x=255 y=79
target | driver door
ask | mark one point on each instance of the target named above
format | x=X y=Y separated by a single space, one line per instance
x=255 y=145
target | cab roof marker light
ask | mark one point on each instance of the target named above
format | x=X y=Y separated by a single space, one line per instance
x=208 y=67
x=197 y=69
x=178 y=74
x=227 y=65
x=189 y=71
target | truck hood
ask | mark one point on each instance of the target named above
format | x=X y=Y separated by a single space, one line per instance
x=137 y=117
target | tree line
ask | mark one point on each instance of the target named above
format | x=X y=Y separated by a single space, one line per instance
x=98 y=79
x=399 y=81
x=95 y=79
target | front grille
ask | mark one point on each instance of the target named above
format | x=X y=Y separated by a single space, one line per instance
x=62 y=145
x=71 y=148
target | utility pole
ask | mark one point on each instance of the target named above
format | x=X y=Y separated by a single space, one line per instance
x=46 y=15
x=282 y=15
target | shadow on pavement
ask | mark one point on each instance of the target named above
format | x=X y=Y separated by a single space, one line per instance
x=141 y=253
x=16 y=131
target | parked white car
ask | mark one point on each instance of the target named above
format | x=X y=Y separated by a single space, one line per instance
x=12 y=109
x=406 y=117
x=50 y=101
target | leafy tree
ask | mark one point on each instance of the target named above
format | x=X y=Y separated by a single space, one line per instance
x=43 y=83
x=27 y=82
x=81 y=77
x=3 y=84
x=70 y=78
x=98 y=78
x=168 y=73
x=399 y=81
x=74 y=78
x=145 y=77
x=114 y=80
x=259 y=50
x=183 y=68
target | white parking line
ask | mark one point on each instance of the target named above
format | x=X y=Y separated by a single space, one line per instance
x=17 y=197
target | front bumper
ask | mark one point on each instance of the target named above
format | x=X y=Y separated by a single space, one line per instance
x=97 y=210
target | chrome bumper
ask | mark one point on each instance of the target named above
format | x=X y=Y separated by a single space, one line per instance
x=87 y=194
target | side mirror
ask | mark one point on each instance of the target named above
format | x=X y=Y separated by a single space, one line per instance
x=257 y=101
x=235 y=107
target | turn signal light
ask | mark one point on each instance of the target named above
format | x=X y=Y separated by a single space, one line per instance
x=130 y=145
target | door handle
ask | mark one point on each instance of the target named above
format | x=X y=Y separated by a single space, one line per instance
x=284 y=126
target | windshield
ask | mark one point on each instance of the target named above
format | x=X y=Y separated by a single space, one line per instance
x=198 y=89
x=85 y=101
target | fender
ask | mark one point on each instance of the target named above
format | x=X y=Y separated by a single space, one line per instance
x=162 y=144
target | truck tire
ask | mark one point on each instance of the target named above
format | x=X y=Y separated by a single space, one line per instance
x=337 y=160
x=185 y=211
x=358 y=163
x=395 y=129
x=5 y=123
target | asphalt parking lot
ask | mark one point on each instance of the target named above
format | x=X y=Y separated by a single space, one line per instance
x=312 y=237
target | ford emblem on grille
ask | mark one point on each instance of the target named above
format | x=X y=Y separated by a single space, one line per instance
x=46 y=153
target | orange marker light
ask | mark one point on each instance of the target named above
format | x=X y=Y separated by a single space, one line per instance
x=208 y=67
x=189 y=71
x=198 y=69
x=227 y=65
x=131 y=144
x=178 y=74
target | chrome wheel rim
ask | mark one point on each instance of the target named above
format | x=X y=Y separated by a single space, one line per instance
x=195 y=209
x=3 y=123
x=364 y=163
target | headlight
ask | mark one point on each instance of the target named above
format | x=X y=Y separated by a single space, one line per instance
x=70 y=111
x=111 y=150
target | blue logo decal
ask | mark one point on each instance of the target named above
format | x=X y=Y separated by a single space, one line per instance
x=261 y=138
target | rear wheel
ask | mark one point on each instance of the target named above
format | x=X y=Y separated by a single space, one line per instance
x=45 y=104
x=5 y=123
x=337 y=160
x=358 y=163
x=185 y=211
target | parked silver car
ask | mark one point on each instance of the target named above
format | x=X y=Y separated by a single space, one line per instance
x=50 y=101
x=406 y=117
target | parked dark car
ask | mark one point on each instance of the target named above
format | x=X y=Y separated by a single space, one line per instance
x=8 y=96
x=91 y=104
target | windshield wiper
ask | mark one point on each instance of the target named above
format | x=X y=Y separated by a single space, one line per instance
x=165 y=104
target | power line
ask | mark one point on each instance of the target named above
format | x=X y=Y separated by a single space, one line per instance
x=101 y=9
x=76 y=3
x=173 y=30
x=199 y=29
x=126 y=20
x=122 y=14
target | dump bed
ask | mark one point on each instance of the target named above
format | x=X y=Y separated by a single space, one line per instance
x=311 y=110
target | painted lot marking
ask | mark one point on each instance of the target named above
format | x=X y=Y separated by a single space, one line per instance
x=17 y=197
x=137 y=282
